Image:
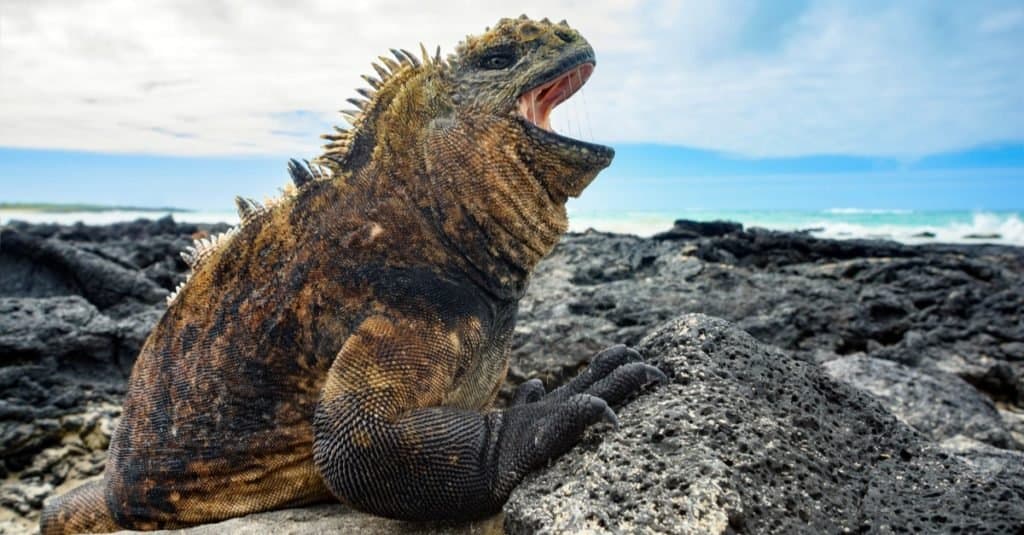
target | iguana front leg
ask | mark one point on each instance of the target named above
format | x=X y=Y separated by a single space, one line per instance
x=385 y=443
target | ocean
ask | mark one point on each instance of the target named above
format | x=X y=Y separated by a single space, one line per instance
x=908 y=226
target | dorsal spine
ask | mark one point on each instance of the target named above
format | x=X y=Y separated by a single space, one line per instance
x=325 y=167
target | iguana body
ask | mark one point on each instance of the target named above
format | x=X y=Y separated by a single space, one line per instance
x=346 y=340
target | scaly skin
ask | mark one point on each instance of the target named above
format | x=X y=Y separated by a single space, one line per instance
x=347 y=341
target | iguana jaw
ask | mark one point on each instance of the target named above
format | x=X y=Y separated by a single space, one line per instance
x=534 y=108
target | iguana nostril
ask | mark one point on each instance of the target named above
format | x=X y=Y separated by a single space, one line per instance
x=566 y=35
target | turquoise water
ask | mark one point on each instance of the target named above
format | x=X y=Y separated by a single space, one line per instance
x=902 y=225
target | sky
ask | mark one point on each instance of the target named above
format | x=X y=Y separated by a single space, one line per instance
x=788 y=104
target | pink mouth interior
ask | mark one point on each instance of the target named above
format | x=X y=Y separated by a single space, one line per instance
x=537 y=103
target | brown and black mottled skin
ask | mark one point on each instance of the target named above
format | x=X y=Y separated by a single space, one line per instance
x=348 y=343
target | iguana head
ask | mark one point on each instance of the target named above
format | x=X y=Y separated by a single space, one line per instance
x=516 y=72
x=472 y=133
x=521 y=70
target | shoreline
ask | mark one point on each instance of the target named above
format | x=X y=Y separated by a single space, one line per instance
x=902 y=226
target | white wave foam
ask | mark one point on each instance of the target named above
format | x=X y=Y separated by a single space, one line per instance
x=1005 y=229
x=868 y=211
x=913 y=227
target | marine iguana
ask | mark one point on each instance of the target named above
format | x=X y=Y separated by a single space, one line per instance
x=347 y=340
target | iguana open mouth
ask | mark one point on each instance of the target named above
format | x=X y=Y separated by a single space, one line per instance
x=536 y=104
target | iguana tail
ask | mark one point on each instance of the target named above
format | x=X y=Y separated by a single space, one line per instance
x=83 y=510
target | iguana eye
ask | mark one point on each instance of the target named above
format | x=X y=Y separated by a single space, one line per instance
x=497 y=60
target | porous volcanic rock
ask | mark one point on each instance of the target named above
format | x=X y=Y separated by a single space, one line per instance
x=747 y=439
x=937 y=404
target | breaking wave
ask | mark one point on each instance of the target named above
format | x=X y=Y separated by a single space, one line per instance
x=905 y=226
x=871 y=211
x=978 y=228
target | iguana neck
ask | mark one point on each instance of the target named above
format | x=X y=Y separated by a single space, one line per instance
x=493 y=196
x=476 y=187
x=495 y=206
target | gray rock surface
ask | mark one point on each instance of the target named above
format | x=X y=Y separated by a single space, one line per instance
x=333 y=519
x=746 y=439
x=952 y=317
x=76 y=304
x=937 y=404
x=956 y=309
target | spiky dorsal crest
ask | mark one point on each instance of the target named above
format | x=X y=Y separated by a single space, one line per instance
x=336 y=154
x=345 y=144
x=202 y=248
x=302 y=174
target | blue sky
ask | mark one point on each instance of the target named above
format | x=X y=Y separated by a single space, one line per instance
x=711 y=104
x=643 y=177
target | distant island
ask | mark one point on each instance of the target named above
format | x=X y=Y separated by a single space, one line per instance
x=67 y=208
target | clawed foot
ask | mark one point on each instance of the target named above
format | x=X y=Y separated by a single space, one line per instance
x=540 y=425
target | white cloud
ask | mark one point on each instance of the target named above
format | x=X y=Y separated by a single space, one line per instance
x=234 y=77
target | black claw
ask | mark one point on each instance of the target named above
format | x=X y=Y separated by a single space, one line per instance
x=600 y=407
x=613 y=357
x=603 y=365
x=529 y=392
x=654 y=375
x=610 y=417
